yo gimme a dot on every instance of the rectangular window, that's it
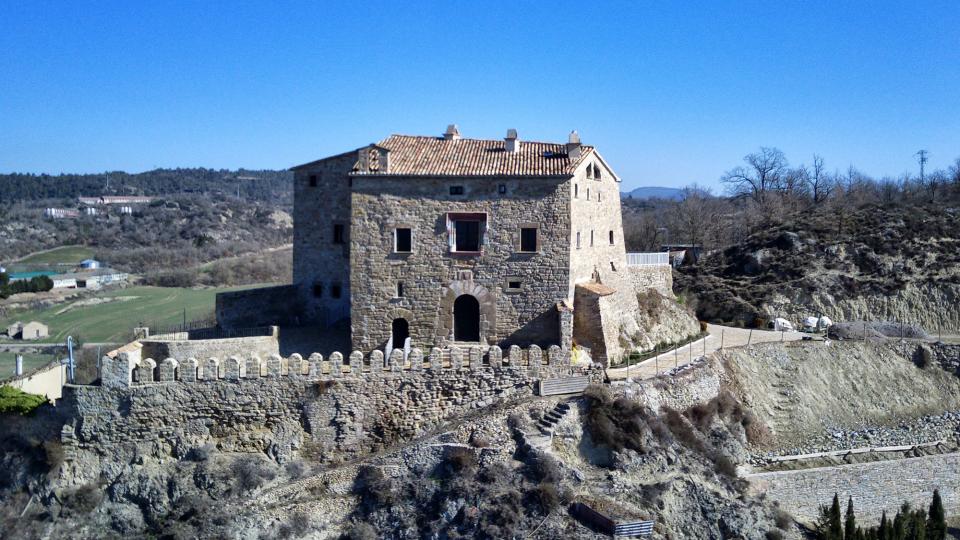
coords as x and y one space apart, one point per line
502 189
576 190
403 241
514 285
528 239
468 235
313 180
591 238
466 231
335 290
318 290
399 289
456 190
588 194
338 237
611 238
578 239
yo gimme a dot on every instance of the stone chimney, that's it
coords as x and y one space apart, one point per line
573 145
452 133
511 143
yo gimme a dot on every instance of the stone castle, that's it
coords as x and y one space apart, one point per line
454 241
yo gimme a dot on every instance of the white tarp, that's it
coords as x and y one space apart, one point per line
782 325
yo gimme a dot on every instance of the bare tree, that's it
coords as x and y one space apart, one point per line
765 173
818 180
695 218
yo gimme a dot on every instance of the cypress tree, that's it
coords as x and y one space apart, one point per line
850 527
883 533
936 521
836 519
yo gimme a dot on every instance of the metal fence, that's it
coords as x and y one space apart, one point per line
648 259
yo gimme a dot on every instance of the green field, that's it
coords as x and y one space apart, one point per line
120 310
8 362
60 255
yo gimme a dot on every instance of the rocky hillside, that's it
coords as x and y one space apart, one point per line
496 474
895 261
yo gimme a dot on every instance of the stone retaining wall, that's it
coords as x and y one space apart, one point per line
652 277
163 347
875 487
338 408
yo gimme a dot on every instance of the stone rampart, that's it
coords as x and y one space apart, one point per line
338 406
875 487
181 346
659 277
262 306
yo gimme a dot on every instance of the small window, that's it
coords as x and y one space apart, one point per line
596 173
313 180
588 194
318 290
502 189
598 196
613 266
590 172
611 238
400 289
578 239
528 239
591 238
456 190
335 290
514 285
402 240
338 234
466 231
576 191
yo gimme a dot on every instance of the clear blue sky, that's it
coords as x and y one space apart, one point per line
671 93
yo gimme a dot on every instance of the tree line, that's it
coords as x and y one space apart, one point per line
34 284
767 190
908 524
263 185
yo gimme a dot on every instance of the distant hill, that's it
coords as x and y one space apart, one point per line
650 192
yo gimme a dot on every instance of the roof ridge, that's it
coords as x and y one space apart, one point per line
440 138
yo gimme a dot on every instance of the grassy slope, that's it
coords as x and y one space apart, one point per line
65 255
8 362
113 322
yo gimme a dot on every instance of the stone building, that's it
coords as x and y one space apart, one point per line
447 240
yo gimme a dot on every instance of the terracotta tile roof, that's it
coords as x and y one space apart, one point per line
428 156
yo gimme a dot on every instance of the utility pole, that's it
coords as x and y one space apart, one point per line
922 159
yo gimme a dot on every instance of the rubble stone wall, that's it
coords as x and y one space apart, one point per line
338 406
263 306
875 487
261 346
659 277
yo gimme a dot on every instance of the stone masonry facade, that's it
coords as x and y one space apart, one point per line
376 242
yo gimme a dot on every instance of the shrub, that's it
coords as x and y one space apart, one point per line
373 487
250 473
83 499
296 469
681 429
54 453
782 519
545 496
725 466
14 400
362 531
544 468
461 461
201 453
774 535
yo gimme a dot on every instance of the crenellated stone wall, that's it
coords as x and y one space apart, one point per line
338 406
180 346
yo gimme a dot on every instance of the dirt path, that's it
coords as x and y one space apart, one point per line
717 337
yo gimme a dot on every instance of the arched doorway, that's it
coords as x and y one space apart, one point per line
466 318
400 330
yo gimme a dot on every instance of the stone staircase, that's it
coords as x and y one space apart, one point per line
553 417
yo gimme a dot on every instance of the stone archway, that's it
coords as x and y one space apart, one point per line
488 311
399 331
466 318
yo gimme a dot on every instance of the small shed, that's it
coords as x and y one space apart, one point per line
34 330
89 264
